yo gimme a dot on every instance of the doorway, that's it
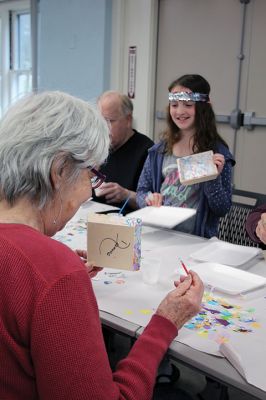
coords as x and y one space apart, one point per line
224 42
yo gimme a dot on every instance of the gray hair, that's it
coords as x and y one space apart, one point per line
42 128
125 102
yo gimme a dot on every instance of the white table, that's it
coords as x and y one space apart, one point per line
218 368
212 366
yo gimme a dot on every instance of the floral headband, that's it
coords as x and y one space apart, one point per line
185 96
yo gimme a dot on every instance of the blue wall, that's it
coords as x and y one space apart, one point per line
74 46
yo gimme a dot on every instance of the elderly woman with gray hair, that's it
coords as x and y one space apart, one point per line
51 341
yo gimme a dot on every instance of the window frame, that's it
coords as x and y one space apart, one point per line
9 76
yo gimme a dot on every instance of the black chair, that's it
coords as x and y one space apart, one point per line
232 225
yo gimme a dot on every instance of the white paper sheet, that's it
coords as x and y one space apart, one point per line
248 357
220 318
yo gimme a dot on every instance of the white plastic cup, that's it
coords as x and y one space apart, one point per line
150 269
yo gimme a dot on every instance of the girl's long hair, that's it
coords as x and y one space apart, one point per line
206 134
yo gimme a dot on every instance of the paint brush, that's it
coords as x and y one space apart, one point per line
124 205
183 266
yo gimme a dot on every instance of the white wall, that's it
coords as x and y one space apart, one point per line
135 24
83 49
74 46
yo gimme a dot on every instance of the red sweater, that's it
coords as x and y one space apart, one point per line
51 344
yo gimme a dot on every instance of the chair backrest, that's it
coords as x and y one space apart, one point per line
232 225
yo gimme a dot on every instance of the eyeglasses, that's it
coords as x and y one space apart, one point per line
98 179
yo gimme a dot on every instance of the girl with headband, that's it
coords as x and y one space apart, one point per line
191 129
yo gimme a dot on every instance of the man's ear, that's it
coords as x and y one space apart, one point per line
129 120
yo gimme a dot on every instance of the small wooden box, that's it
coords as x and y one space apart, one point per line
114 241
197 168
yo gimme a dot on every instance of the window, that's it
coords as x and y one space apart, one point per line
15 54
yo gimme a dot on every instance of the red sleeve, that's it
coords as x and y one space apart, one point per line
69 354
252 222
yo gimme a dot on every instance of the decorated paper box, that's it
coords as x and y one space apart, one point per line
114 241
197 168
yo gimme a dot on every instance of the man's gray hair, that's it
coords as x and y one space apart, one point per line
125 102
40 129
126 105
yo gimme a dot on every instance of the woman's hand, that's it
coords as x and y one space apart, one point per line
154 199
91 268
261 228
184 302
219 161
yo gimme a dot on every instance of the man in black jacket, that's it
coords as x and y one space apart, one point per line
128 152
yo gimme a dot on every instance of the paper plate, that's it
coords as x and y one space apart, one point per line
225 253
164 216
228 279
